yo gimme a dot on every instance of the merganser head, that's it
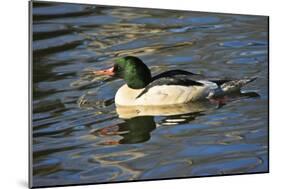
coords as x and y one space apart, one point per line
135 73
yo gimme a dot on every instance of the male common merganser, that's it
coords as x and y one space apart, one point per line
168 88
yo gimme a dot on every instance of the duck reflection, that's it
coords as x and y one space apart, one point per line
139 121
128 112
132 131
137 129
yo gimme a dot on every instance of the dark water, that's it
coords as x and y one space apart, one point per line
78 136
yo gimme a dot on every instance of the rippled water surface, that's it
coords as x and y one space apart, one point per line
78 135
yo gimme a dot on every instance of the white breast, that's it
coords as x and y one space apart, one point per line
163 94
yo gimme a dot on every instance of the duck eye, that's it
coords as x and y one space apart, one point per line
116 67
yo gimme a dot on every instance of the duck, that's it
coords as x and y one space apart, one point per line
172 87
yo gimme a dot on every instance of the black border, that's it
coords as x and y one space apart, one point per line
30 95
30 98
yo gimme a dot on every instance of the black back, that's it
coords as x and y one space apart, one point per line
172 77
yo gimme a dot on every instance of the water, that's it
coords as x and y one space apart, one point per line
80 137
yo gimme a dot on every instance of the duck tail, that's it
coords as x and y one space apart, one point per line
235 85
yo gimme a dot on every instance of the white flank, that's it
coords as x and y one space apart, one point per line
164 94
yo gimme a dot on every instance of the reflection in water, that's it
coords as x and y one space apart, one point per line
134 130
139 120
135 111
